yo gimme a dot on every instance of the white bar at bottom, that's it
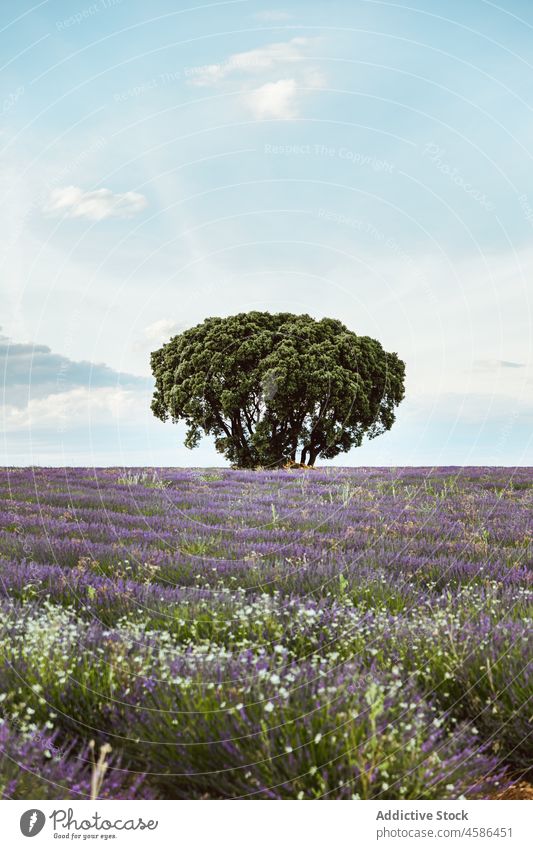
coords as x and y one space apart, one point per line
269 825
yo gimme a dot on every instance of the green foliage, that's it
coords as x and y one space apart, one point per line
269 386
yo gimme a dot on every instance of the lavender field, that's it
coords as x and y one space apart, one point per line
329 633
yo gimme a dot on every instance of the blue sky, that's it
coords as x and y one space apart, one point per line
165 162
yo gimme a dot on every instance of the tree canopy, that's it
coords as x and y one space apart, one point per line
269 387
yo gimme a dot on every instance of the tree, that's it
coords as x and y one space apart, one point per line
268 387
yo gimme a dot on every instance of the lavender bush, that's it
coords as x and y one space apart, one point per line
325 633
33 767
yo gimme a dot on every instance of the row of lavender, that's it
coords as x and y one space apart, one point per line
306 634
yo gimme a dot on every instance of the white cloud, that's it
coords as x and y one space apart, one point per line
77 407
255 61
274 100
273 16
34 371
73 202
160 331
263 97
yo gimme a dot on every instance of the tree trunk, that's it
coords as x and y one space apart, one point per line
237 434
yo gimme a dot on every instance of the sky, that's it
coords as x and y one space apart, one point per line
165 162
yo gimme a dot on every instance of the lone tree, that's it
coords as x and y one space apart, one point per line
270 386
